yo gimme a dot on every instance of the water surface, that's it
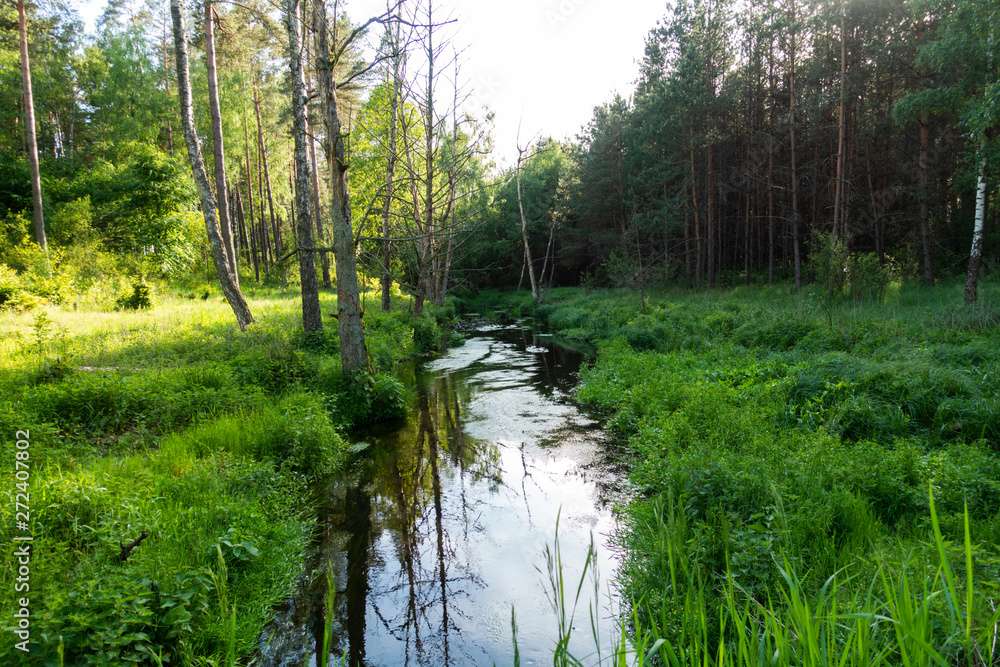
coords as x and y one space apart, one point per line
443 526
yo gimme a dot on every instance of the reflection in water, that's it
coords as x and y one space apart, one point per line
443 528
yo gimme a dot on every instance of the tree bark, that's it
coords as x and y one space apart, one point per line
925 222
230 288
408 150
37 212
978 233
390 175
770 162
839 226
312 320
353 353
535 294
796 250
710 214
266 251
218 144
250 222
275 228
314 191
241 223
430 278
695 207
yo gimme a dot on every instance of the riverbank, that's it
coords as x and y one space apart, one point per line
171 458
785 450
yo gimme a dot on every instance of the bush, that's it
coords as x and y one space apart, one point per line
867 278
827 264
651 332
427 335
388 402
137 300
10 288
365 400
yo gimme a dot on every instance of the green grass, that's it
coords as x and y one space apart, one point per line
782 452
172 422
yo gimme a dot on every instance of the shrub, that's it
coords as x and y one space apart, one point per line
365 400
388 399
649 332
827 264
427 335
137 300
867 277
10 287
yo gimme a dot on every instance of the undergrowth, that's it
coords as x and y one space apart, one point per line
782 450
169 423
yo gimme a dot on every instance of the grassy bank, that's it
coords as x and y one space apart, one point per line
818 483
173 425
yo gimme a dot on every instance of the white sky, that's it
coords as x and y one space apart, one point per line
543 64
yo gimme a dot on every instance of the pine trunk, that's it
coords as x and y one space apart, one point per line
218 145
796 249
38 214
312 320
230 288
925 222
353 353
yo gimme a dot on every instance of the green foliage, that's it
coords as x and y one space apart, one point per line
172 422
776 457
10 288
427 335
138 300
828 264
364 399
297 432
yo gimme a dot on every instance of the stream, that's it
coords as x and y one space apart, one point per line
442 525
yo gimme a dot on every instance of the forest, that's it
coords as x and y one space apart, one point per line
307 361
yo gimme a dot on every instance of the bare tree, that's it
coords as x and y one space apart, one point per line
38 214
535 293
230 288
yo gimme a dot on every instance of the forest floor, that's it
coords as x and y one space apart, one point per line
785 452
171 428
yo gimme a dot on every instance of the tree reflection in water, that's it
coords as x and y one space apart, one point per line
446 519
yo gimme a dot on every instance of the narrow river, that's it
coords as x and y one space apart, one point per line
443 525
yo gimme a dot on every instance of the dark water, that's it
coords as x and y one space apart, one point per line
444 525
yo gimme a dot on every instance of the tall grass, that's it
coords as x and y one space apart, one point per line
895 618
173 422
782 450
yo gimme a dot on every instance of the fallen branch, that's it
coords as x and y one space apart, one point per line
126 549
